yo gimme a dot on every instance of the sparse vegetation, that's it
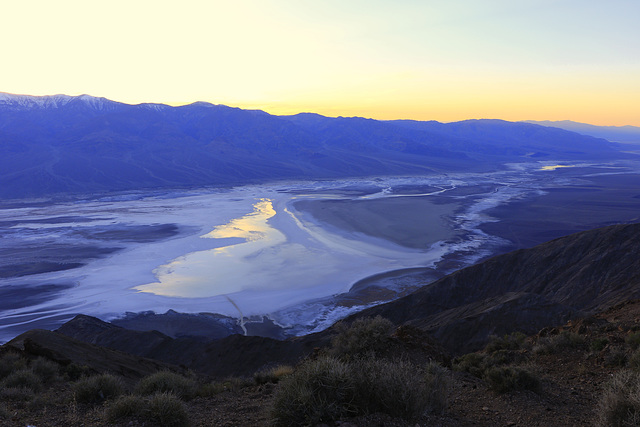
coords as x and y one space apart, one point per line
513 341
598 344
161 409
167 382
616 357
9 363
46 370
24 378
363 336
16 394
125 407
633 340
328 389
620 402
318 391
557 343
167 410
272 375
98 388
4 412
503 379
634 361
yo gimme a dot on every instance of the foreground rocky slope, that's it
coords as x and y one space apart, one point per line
572 366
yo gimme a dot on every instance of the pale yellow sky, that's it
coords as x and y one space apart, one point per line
442 60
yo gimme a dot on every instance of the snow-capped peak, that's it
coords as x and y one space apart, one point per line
52 101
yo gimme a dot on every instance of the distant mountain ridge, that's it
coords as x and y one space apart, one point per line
610 133
82 144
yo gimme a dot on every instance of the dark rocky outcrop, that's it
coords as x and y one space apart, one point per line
66 350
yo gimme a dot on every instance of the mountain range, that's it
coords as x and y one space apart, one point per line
82 144
625 134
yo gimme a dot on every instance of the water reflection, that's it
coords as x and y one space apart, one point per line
217 271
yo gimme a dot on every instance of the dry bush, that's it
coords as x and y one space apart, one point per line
10 362
161 409
98 388
167 382
272 375
399 388
125 407
16 394
616 357
319 391
633 340
620 402
363 336
23 378
558 343
474 363
328 389
513 341
167 410
503 379
4 412
46 370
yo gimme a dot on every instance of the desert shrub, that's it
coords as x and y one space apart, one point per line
327 389
396 388
272 375
165 381
633 340
363 336
24 378
598 344
558 343
234 384
45 369
320 390
161 409
74 372
98 388
513 341
474 363
210 389
634 360
4 412
125 407
16 394
503 379
10 362
620 402
616 357
438 381
166 410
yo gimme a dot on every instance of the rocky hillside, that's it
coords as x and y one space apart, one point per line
525 290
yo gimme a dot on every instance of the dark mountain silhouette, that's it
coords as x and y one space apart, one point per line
525 291
63 144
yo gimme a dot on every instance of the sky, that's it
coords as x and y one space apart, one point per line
444 60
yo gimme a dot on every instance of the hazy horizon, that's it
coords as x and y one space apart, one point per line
438 61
